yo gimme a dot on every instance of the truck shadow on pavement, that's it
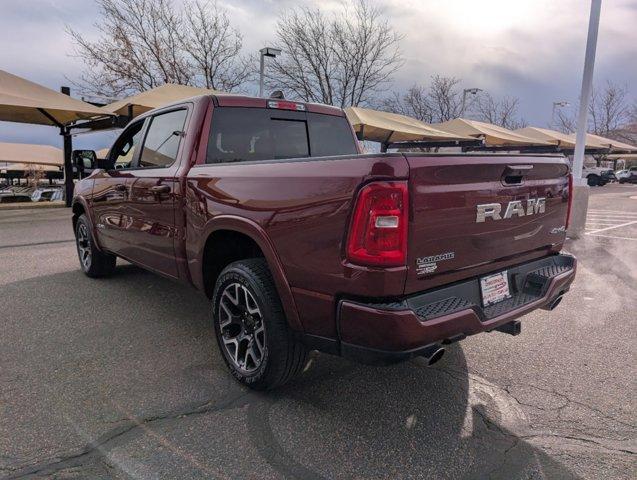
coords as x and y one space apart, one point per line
126 381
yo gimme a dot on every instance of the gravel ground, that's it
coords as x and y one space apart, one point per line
121 378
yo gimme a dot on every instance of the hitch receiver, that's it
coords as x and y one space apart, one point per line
512 328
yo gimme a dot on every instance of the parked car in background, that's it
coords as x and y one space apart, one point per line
598 176
628 176
609 175
15 194
621 174
47 195
303 243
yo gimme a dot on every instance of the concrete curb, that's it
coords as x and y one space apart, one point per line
31 205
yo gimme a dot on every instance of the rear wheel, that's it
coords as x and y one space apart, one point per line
94 262
251 328
592 180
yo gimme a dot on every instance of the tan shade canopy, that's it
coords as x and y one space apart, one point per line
388 127
613 145
568 140
493 135
9 167
553 137
24 101
154 98
33 154
102 153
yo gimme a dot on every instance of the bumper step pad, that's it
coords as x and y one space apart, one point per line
443 307
528 283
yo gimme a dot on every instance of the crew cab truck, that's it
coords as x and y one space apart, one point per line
303 243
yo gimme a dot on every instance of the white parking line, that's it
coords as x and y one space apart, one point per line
614 226
598 220
608 221
613 214
610 236
612 219
610 211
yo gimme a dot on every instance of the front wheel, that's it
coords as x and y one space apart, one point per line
94 262
251 329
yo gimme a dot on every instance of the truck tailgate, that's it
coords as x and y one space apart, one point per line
472 214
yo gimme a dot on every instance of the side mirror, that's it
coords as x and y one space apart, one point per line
84 160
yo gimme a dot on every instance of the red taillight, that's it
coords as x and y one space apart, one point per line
570 199
378 233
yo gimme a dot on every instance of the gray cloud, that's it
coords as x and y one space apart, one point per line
532 49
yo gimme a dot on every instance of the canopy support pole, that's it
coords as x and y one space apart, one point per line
385 145
68 163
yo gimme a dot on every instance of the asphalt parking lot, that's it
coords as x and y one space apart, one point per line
121 378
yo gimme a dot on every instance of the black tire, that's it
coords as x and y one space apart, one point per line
99 264
622 181
592 180
282 356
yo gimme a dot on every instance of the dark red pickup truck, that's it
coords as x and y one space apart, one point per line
301 242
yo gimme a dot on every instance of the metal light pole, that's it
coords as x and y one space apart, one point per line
580 188
265 52
561 103
472 91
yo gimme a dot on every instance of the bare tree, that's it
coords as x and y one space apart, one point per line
609 111
146 43
563 122
214 47
445 98
440 102
413 103
341 60
503 112
33 175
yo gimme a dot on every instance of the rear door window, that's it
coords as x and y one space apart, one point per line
252 134
241 134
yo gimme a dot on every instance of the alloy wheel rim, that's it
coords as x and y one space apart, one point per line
242 328
84 246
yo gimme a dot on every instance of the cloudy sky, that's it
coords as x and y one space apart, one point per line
532 49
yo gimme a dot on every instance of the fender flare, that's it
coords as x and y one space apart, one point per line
82 201
254 231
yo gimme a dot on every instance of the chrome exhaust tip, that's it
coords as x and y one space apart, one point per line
555 302
433 354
